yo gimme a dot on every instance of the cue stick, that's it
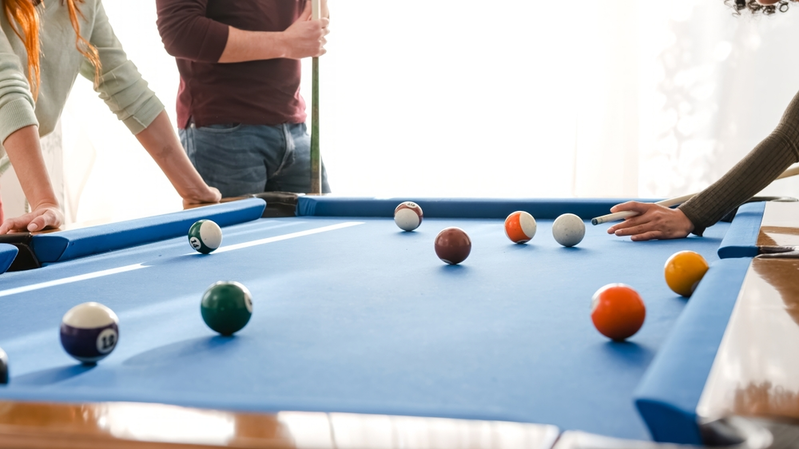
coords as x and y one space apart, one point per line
316 156
793 171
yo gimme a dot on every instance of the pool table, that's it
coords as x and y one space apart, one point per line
352 316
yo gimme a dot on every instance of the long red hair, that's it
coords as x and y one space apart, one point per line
26 16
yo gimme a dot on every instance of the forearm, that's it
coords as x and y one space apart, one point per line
161 142
25 153
751 175
252 46
302 39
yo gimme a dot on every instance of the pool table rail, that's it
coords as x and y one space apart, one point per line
755 371
140 425
495 208
29 425
761 225
60 246
668 394
732 352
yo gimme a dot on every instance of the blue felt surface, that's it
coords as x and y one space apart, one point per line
670 391
72 244
741 239
332 206
361 319
7 255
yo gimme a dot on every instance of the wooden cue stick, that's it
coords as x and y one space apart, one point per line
793 171
316 155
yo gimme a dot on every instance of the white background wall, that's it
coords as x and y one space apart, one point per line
510 99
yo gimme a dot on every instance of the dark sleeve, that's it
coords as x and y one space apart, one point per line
187 33
752 174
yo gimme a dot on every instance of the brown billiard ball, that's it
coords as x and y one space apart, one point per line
453 245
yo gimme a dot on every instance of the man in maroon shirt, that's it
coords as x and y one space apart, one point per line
241 118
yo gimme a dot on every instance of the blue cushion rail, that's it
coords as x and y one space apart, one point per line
332 206
669 392
7 254
741 238
72 244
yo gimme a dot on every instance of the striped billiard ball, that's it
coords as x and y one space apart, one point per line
408 215
226 307
520 227
89 332
205 236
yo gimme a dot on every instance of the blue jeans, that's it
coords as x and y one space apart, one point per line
242 159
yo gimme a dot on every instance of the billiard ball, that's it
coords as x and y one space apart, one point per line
453 245
683 272
408 216
205 236
3 367
226 307
617 311
89 332
520 227
568 229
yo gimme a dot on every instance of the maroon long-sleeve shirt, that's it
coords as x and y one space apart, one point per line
256 92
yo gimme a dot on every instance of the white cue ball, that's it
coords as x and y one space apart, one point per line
408 216
568 229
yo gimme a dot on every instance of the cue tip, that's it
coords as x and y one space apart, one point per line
612 217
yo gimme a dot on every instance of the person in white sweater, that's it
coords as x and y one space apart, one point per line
45 45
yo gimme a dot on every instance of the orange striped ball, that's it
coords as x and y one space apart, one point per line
520 227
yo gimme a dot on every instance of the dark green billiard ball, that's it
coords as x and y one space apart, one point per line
226 307
205 236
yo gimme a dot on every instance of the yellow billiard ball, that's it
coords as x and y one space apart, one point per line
683 272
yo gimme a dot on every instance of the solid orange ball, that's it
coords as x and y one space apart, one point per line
618 311
683 272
